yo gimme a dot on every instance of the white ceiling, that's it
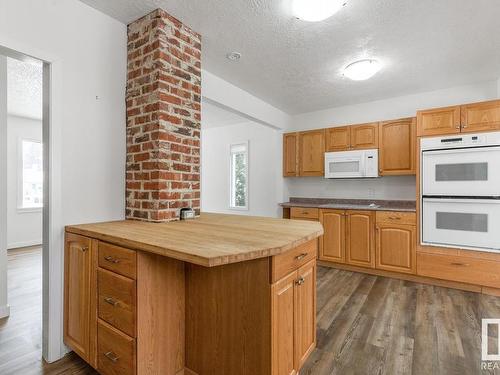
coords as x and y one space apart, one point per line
214 116
296 66
24 88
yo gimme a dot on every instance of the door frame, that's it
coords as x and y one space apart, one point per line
53 347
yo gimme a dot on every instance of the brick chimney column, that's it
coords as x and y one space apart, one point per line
163 118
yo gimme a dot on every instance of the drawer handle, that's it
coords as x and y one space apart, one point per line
300 281
394 218
112 356
301 256
305 213
460 264
111 259
111 301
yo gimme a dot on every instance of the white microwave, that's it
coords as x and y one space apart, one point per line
351 164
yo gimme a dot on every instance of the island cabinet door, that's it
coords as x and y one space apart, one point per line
332 243
77 294
283 361
305 313
360 243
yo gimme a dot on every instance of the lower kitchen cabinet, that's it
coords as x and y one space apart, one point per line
360 241
293 319
332 243
396 247
78 333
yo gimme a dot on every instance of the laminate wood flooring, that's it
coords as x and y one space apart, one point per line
366 325
21 333
377 325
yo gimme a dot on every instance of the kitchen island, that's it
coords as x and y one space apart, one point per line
220 294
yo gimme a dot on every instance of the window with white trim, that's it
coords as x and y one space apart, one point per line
239 176
30 194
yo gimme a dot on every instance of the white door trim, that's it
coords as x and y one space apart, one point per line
53 347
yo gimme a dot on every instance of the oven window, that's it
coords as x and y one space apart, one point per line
462 221
462 172
344 167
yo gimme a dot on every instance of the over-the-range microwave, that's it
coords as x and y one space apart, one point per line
351 164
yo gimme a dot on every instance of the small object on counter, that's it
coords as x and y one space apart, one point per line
187 214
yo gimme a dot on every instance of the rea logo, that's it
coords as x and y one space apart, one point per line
490 350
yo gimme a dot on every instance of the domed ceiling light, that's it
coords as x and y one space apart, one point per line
362 69
316 10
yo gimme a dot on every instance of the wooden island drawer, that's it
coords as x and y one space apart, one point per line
304 213
116 353
396 217
118 259
459 268
117 301
283 264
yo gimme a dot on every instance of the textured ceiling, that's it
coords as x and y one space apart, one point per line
296 66
213 116
24 88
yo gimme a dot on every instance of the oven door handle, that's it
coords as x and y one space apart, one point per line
461 200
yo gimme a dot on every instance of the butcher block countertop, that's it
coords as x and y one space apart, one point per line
210 240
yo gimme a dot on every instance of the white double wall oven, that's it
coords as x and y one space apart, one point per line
460 191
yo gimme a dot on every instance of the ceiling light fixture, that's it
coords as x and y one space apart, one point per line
316 10
233 56
362 69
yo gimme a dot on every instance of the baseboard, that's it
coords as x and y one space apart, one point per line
17 245
4 311
409 277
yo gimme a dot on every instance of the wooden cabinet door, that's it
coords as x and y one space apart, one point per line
397 147
338 139
305 313
312 153
396 248
283 326
77 294
360 242
364 136
332 243
290 155
438 121
481 116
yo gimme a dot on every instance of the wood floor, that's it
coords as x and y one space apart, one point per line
376 325
366 325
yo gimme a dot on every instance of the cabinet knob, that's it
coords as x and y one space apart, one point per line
464 126
85 248
112 356
111 259
300 281
301 256
111 301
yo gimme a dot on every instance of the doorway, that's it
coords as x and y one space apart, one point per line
24 209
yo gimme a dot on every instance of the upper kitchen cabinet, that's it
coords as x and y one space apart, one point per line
338 139
397 147
480 116
467 118
355 137
311 153
438 121
290 155
364 136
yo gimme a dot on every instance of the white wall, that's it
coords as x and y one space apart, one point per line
87 51
24 228
4 309
264 168
405 106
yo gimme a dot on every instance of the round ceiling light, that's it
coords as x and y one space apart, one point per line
362 69
316 10
233 56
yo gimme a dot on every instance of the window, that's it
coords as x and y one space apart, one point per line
31 175
239 176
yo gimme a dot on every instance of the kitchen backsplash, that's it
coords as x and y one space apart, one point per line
394 187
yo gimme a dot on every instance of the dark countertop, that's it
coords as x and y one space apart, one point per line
352 204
